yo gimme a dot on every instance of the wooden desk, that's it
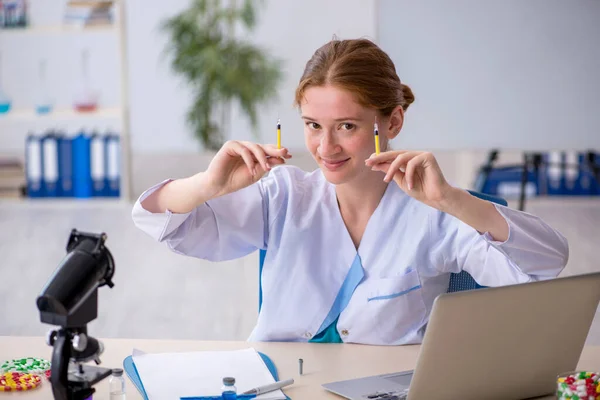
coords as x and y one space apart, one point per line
322 362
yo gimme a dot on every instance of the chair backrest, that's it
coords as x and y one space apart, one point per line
489 197
458 282
463 280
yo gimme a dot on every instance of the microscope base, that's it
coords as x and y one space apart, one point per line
80 384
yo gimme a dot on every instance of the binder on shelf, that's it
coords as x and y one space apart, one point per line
65 166
571 172
87 165
588 182
82 180
50 165
98 165
113 165
555 173
560 173
33 165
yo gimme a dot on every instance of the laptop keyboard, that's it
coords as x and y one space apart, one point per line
396 395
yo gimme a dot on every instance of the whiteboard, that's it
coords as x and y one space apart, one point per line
510 74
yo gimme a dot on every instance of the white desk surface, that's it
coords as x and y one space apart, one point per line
322 362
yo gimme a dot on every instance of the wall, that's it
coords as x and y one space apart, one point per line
159 99
511 73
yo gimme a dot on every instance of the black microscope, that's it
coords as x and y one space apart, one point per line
70 300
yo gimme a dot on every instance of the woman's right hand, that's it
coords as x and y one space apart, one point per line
235 166
239 164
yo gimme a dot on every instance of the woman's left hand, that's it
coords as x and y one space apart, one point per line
417 173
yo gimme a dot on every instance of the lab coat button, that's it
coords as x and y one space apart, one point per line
345 332
308 335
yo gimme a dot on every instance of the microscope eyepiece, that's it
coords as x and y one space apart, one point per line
87 266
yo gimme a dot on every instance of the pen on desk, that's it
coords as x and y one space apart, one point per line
219 397
269 388
376 134
278 133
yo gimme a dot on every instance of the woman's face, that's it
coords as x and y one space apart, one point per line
339 133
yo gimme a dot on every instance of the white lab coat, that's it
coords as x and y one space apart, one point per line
313 273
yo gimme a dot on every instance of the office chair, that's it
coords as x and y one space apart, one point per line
458 282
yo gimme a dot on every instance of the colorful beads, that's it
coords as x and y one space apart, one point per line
18 381
28 365
578 386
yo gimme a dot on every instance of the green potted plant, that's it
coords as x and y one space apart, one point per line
219 66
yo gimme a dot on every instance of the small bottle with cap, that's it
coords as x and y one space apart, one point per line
229 391
117 385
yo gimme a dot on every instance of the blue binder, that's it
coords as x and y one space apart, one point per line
33 165
50 164
131 370
573 176
560 173
593 171
82 179
113 165
506 182
587 185
65 166
555 173
98 165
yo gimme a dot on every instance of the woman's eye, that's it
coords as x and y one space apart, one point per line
348 126
313 125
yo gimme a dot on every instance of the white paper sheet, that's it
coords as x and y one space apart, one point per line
173 375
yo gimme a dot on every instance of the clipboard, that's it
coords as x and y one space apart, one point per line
132 373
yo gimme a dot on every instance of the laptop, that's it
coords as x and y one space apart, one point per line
506 342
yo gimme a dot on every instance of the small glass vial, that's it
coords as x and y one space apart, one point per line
117 385
86 99
5 101
44 103
229 391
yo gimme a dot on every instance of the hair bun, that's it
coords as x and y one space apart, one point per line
407 95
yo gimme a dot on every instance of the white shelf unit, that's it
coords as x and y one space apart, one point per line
24 114
18 123
61 45
58 29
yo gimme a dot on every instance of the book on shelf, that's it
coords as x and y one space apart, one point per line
12 177
89 13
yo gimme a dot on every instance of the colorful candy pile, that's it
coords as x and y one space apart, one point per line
28 365
579 386
23 373
18 381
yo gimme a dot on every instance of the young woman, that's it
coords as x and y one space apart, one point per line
357 250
